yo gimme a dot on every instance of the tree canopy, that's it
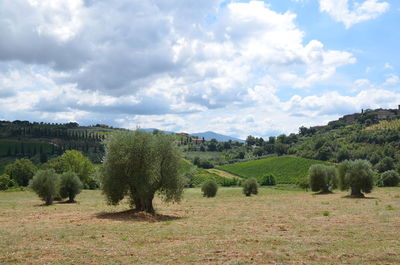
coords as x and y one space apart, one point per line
139 164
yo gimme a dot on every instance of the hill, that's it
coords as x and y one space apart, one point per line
219 137
287 169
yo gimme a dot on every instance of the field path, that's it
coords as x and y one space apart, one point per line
222 173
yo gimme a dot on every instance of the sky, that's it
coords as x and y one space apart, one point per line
234 67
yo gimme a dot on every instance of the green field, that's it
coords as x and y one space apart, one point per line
274 227
287 169
200 175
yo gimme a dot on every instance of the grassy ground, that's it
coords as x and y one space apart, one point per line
275 227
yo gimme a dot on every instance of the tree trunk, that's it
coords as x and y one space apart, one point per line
71 198
356 193
145 203
49 200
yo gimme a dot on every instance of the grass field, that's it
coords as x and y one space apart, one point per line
275 227
287 169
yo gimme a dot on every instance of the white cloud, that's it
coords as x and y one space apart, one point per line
339 10
392 80
165 64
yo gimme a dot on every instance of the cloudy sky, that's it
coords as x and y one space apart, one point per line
234 67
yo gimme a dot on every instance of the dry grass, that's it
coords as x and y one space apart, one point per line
274 227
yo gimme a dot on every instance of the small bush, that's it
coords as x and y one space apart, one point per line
389 178
250 186
325 213
70 186
6 182
209 188
206 164
268 180
304 184
45 185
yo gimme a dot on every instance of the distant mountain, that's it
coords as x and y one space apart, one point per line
152 129
207 135
212 135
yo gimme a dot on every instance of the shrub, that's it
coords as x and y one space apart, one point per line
250 186
6 182
45 184
322 178
70 186
209 188
22 170
206 164
304 184
268 180
357 175
389 178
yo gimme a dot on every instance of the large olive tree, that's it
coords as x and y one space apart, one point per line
139 165
356 175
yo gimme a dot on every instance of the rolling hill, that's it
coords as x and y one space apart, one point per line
287 169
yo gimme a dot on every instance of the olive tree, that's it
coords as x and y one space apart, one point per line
356 175
140 164
45 184
322 178
70 186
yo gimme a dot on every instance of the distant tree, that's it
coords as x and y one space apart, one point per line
77 162
209 188
268 180
356 175
324 153
303 131
389 179
6 182
386 164
22 170
343 155
271 140
45 185
250 186
280 148
139 164
196 161
250 140
70 186
212 146
322 178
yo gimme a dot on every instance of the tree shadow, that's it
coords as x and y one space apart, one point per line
323 193
356 197
135 215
